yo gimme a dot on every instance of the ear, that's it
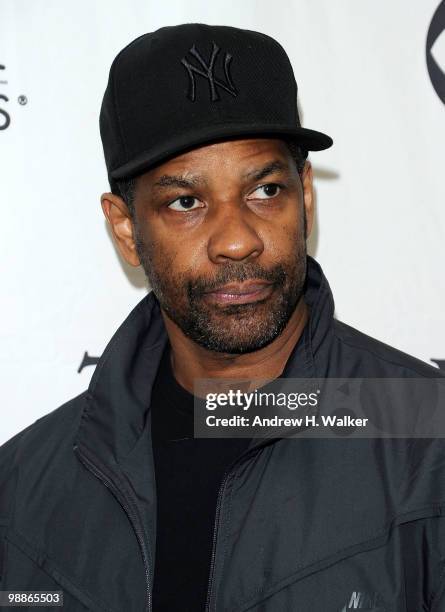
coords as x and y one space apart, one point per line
308 195
119 218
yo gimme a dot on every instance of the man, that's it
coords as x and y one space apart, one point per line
110 498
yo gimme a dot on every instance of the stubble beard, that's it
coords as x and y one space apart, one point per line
233 328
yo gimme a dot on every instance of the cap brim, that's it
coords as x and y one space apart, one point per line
310 140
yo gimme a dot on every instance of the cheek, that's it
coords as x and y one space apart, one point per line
176 256
282 239
186 251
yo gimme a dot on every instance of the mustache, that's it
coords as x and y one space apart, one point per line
237 273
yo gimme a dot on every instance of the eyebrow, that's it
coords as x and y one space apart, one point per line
271 168
257 174
171 180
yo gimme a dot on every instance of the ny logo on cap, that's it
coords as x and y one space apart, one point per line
207 71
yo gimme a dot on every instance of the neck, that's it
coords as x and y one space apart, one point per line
191 361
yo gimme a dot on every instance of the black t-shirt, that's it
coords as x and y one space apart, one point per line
188 474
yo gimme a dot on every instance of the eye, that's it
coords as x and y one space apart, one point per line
265 192
185 203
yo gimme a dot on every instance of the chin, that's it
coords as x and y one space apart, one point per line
234 344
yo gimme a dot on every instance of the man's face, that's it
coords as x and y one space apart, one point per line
220 233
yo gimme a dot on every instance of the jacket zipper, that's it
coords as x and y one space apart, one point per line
85 458
222 487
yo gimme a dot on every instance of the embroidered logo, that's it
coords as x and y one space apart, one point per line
360 600
207 71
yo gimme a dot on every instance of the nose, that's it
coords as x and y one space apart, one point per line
233 236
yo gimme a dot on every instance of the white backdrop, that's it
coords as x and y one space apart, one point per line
363 79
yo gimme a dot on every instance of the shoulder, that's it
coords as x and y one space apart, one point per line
375 358
44 437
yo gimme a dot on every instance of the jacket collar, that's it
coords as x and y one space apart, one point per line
118 398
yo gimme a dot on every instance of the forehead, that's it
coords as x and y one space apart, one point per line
235 153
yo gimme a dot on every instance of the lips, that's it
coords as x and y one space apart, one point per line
240 293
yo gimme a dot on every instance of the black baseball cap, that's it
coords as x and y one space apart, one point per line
191 84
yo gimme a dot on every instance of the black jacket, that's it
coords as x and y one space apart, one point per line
302 525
